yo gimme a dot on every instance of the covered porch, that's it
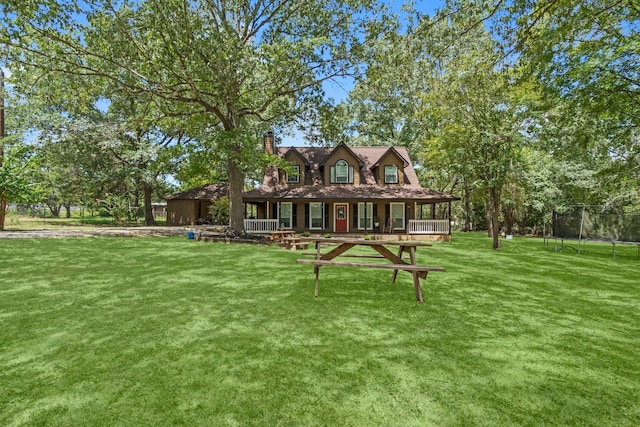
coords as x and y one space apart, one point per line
349 210
414 226
393 219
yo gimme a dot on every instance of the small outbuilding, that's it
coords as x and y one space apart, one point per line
192 207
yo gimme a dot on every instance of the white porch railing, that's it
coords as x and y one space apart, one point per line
428 226
260 225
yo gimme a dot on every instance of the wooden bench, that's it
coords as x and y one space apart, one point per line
347 255
417 271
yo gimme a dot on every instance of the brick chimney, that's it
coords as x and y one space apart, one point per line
269 143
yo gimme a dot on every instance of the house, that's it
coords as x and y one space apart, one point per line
346 190
192 207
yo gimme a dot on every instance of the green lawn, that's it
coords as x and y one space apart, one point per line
170 331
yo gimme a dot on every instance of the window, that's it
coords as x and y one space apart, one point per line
316 216
285 214
397 215
391 174
365 216
341 173
294 175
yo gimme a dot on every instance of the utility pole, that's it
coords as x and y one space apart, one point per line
1 117
3 201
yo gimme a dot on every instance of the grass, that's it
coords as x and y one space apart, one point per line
15 222
168 331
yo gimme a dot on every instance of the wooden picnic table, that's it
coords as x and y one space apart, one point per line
287 239
280 235
383 250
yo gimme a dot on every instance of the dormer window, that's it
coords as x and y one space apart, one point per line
341 173
391 174
293 177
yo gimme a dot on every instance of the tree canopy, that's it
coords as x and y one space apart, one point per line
223 66
517 106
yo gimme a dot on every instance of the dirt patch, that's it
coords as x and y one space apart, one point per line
94 232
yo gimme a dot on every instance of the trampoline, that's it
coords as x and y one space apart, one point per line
581 223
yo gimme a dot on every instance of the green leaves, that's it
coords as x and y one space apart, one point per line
224 66
17 169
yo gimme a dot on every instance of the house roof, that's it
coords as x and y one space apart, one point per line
369 158
315 189
205 192
295 151
347 193
338 147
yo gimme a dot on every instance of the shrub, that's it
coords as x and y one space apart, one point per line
219 211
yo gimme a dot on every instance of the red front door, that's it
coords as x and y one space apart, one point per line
341 215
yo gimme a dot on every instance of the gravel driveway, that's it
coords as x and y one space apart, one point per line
97 232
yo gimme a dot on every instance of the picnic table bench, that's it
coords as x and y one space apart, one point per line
381 247
287 239
294 243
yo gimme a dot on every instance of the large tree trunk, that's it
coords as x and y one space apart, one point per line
67 208
148 206
236 186
494 204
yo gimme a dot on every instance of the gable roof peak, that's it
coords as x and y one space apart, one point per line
345 146
393 149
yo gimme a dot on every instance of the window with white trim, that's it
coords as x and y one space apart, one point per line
293 177
341 173
365 216
316 216
391 174
285 214
397 215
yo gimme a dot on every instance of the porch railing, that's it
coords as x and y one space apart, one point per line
428 226
260 225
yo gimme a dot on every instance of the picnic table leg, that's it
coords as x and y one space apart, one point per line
412 259
316 269
416 285
395 272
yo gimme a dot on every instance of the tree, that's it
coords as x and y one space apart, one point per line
585 52
75 162
16 160
222 66
84 158
16 171
475 118
144 145
382 108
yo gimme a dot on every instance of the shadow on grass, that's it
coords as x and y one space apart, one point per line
168 331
